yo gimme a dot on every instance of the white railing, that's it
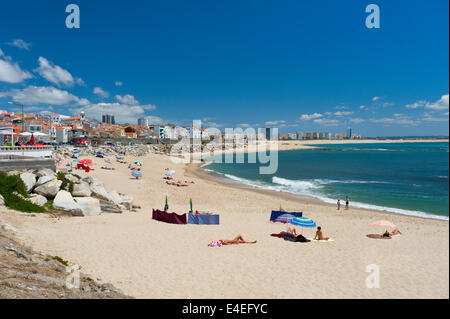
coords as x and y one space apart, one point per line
26 148
33 151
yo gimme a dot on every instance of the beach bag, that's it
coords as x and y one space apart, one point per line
300 238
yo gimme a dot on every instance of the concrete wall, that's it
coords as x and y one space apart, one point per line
26 163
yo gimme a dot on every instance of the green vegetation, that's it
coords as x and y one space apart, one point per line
15 193
66 184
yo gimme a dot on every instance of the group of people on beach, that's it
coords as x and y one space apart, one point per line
347 203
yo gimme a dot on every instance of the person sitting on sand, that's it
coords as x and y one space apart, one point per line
319 235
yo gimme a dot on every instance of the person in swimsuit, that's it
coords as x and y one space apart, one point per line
346 202
237 240
388 234
319 235
338 204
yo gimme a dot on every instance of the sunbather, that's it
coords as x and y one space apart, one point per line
236 240
319 235
393 233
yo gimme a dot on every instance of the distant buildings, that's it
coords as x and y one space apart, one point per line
349 132
143 121
108 119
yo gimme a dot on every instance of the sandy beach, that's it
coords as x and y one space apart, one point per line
150 259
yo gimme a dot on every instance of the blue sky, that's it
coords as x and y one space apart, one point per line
297 65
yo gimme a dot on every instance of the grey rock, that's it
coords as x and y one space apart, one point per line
89 206
29 179
107 208
64 201
81 190
45 179
72 178
45 172
50 189
38 199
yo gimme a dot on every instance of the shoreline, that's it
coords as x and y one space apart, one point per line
213 176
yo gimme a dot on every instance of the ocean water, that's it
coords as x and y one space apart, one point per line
405 178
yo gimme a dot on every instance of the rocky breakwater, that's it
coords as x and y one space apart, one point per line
71 193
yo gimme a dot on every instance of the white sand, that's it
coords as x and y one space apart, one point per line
150 259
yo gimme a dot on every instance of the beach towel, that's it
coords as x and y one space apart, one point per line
324 241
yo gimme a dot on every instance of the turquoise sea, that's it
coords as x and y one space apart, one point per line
406 178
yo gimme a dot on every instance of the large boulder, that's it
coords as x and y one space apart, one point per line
45 179
81 190
29 179
89 206
2 200
107 208
11 173
50 189
64 201
126 201
38 199
72 178
114 197
100 192
45 172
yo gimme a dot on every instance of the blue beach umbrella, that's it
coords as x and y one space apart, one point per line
76 160
136 174
303 222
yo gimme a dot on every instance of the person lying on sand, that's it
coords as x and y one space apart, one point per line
319 235
393 233
237 240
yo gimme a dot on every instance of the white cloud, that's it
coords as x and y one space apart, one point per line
244 125
376 98
55 74
363 107
149 107
21 44
271 123
395 120
43 95
439 105
341 107
118 83
343 113
417 104
11 72
307 117
99 91
357 120
327 122
127 99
